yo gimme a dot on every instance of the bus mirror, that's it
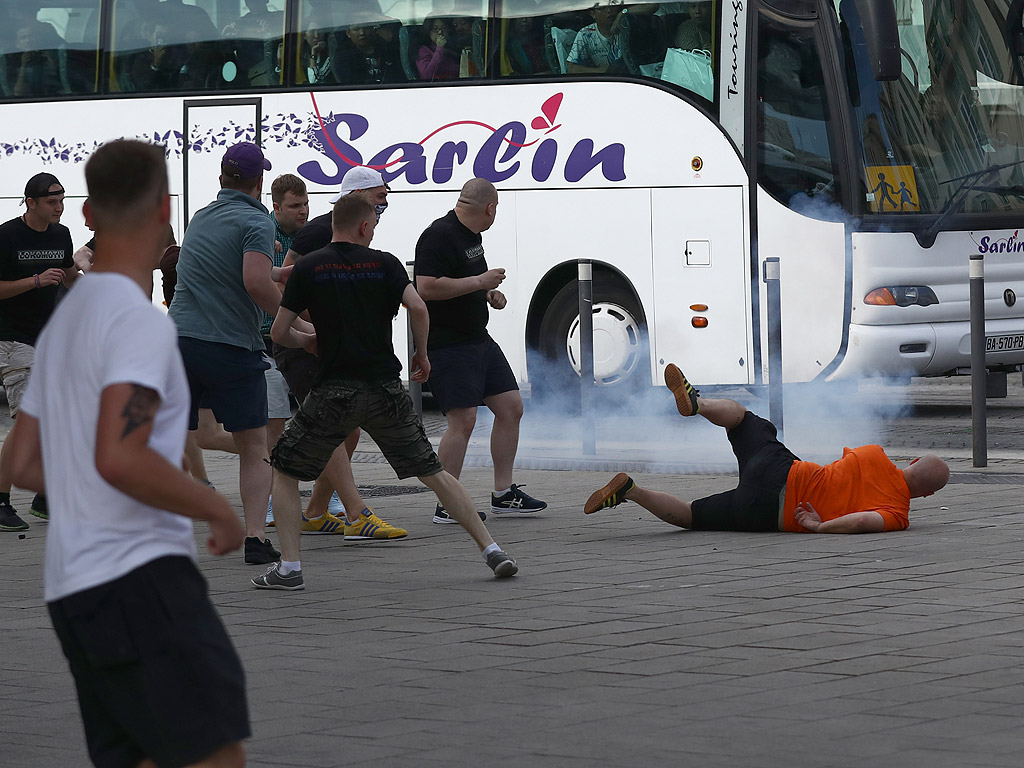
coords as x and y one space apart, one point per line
882 36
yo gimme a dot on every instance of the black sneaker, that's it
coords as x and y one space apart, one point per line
441 517
515 501
39 507
502 565
9 520
259 552
611 495
274 579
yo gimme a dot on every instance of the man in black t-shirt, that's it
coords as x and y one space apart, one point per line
35 258
352 294
300 368
469 367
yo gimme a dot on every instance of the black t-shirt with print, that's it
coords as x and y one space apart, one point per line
352 294
448 249
314 235
24 253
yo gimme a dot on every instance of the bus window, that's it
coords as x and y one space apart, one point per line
794 156
175 45
50 51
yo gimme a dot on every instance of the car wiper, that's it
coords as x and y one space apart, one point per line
968 182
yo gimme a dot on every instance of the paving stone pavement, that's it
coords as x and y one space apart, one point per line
623 642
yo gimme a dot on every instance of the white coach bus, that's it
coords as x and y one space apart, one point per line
871 146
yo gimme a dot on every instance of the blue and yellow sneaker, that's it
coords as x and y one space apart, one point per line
371 527
326 523
611 495
686 395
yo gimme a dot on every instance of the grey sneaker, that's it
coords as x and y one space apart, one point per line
502 565
39 508
9 520
274 579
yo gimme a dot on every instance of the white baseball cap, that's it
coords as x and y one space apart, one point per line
360 177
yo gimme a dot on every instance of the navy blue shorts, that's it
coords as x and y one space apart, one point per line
227 379
156 673
753 505
461 376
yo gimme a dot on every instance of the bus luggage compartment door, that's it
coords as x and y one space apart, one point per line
211 126
701 285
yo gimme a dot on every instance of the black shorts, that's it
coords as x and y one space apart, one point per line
334 409
227 379
764 466
156 672
299 369
463 375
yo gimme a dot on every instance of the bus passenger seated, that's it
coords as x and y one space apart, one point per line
596 48
316 54
435 60
524 46
363 58
695 32
35 69
158 68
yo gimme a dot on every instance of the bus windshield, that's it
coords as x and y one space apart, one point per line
949 133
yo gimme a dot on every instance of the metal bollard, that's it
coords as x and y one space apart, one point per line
772 274
586 295
979 436
415 388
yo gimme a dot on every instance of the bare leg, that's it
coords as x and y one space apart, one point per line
230 756
722 413
457 502
5 469
287 515
253 478
194 457
274 429
338 474
452 448
211 435
507 408
663 505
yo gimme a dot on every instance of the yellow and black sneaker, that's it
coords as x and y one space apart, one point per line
611 495
686 395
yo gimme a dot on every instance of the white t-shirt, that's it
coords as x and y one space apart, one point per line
105 331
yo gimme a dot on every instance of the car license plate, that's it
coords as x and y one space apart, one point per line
1004 342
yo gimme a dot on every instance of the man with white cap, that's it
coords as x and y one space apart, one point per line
226 275
300 371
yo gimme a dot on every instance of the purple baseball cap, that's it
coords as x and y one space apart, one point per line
245 160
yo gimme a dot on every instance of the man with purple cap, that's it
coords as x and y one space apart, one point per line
226 277
35 259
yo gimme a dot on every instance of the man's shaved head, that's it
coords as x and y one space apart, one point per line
476 193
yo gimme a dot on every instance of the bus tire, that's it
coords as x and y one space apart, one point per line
622 362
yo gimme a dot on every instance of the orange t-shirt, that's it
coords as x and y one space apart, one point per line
864 479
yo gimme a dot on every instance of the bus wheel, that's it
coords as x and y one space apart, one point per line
621 358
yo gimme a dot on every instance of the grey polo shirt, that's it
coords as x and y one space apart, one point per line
210 301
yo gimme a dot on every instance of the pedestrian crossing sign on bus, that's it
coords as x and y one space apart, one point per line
892 189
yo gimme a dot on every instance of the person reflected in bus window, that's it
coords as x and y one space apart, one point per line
35 69
363 58
524 46
694 34
436 60
596 48
316 54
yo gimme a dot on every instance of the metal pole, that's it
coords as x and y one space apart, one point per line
979 436
586 295
415 388
772 274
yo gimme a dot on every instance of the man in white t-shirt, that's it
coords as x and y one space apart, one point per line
103 420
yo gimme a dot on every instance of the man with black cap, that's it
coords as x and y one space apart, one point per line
35 258
225 277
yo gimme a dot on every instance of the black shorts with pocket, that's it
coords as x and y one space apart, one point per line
229 380
764 464
463 375
334 409
157 674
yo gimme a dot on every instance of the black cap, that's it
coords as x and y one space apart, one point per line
39 186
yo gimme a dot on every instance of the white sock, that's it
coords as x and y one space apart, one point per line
492 548
287 566
310 519
502 493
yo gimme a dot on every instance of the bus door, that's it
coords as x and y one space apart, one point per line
213 125
702 306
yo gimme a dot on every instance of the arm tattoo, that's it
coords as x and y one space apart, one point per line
140 408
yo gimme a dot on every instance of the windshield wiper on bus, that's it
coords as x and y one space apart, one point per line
968 182
1017 190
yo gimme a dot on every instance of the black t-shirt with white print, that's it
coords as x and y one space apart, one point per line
448 249
24 252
